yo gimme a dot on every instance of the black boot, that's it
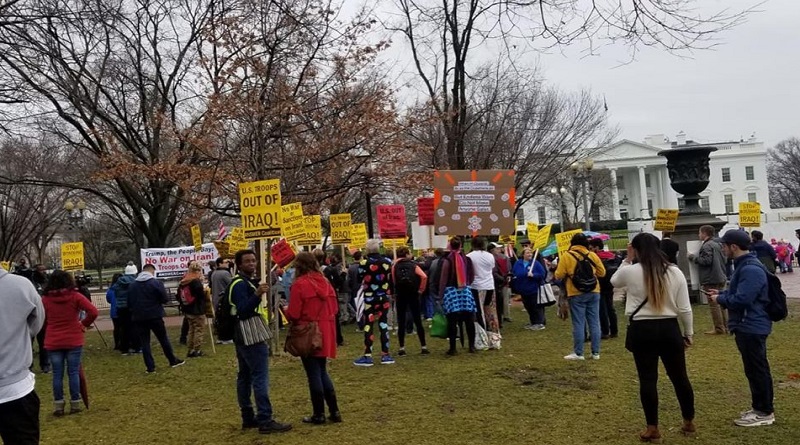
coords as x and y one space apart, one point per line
333 407
318 405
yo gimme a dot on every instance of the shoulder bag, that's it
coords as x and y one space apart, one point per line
304 339
630 333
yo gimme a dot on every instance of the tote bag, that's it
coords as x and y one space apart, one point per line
546 295
251 331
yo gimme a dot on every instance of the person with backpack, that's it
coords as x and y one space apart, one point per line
408 284
455 276
128 338
336 273
112 309
580 270
220 279
192 296
608 314
748 300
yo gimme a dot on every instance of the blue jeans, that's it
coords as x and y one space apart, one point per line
583 308
253 373
72 357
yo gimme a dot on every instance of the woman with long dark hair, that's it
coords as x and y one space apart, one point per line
658 298
312 298
457 300
64 341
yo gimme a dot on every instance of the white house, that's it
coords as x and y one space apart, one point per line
640 182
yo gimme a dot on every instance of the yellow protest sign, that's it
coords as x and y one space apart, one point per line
532 229
508 239
72 256
197 237
223 248
394 243
6 265
312 231
292 226
358 236
237 241
749 214
563 240
260 204
666 220
340 228
542 237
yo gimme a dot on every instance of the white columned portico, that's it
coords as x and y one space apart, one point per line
614 195
643 211
670 196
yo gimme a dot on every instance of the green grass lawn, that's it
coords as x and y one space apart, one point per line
523 394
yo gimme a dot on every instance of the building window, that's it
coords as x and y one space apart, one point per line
520 216
751 197
650 207
623 214
728 203
726 174
681 204
647 180
595 213
620 183
704 203
749 173
542 214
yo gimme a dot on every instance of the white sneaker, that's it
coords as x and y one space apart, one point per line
595 356
755 419
574 356
538 327
528 327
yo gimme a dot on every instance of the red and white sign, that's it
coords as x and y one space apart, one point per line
392 221
425 211
282 253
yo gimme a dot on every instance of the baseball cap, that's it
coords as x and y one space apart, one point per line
737 237
494 245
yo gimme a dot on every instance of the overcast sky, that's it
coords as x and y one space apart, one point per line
749 84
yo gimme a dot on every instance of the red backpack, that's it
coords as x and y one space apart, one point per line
185 295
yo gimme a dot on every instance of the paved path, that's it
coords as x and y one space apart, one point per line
790 282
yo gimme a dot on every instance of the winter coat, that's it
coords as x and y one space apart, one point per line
711 263
566 268
524 285
746 297
314 299
198 306
146 298
63 328
765 253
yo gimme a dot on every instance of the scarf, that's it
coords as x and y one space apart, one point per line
460 266
191 276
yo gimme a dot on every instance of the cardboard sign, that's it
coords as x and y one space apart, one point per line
424 238
474 202
237 241
542 237
340 228
390 244
174 261
358 236
392 222
749 214
312 231
425 211
666 220
6 265
563 240
283 253
197 237
292 226
260 204
72 256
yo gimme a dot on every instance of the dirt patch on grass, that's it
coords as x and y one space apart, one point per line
578 378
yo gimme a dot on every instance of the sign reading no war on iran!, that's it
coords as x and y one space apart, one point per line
174 262
72 256
260 204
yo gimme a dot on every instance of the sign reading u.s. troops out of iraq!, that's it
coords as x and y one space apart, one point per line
474 202
260 204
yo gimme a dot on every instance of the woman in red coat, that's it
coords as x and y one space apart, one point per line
63 305
313 299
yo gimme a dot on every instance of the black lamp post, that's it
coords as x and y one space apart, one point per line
75 213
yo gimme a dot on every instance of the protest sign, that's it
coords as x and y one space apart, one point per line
542 237
340 228
358 236
312 231
563 240
508 239
425 211
283 253
392 221
394 243
6 265
424 238
292 226
72 256
749 214
666 220
237 240
174 261
197 237
532 229
223 248
260 204
474 202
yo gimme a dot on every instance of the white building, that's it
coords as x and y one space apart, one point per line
640 182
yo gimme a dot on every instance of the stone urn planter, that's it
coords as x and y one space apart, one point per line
688 174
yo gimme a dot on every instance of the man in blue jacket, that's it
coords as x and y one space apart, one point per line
746 300
146 299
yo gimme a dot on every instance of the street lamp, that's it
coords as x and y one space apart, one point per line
558 194
75 213
365 156
582 170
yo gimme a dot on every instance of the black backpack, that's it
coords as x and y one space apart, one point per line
776 307
224 321
583 277
405 276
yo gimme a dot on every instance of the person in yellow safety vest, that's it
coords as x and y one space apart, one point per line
245 297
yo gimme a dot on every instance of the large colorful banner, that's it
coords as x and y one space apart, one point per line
340 228
260 204
174 261
425 211
474 202
392 221
312 231
72 256
292 221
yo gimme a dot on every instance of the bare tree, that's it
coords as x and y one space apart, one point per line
783 163
598 192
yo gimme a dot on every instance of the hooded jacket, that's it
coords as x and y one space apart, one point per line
64 329
146 298
312 298
21 318
522 283
566 268
746 297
